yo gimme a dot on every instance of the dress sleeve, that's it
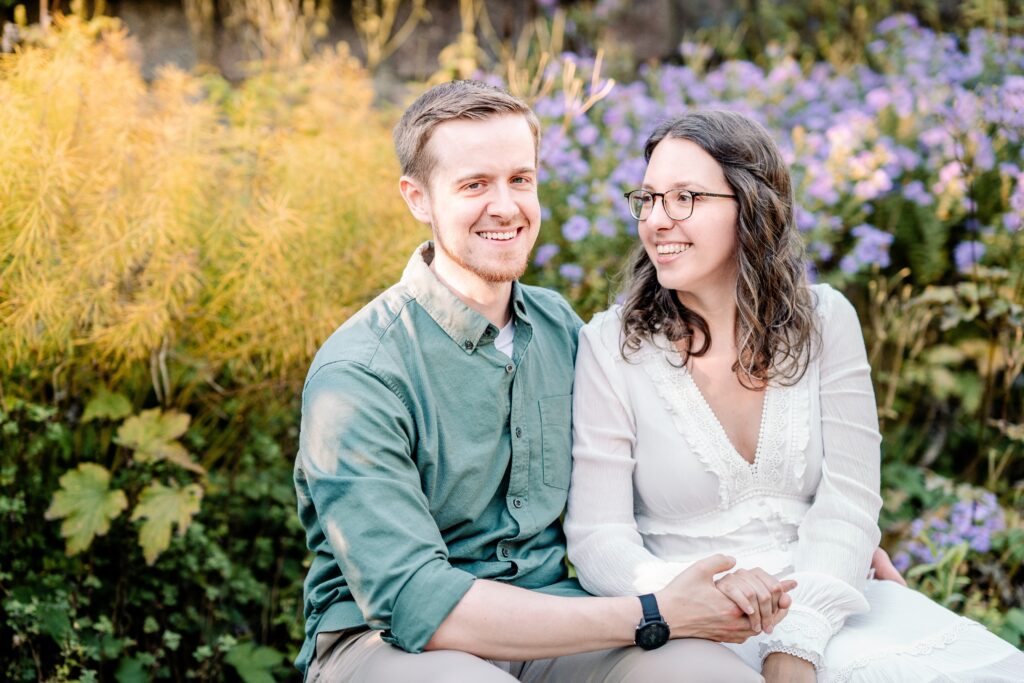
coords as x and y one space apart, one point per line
604 544
840 531
368 506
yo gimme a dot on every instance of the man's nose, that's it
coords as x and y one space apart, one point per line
502 204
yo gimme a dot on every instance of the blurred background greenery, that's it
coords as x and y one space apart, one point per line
176 241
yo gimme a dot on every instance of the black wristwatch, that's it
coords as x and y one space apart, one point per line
653 631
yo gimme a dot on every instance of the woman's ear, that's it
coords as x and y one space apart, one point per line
416 198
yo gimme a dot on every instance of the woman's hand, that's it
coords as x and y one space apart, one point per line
884 568
780 667
762 597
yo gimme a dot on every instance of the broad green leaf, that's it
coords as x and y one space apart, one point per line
86 504
54 621
163 506
153 435
1015 618
107 405
131 670
253 663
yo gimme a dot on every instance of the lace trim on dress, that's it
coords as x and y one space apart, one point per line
815 630
676 391
796 652
776 446
920 648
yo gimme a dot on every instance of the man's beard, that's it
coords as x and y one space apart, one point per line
511 271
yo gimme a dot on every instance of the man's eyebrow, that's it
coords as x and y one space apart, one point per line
478 175
475 175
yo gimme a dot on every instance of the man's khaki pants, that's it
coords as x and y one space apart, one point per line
360 656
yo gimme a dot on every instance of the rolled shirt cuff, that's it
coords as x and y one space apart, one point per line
426 600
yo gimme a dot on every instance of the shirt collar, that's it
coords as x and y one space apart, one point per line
466 327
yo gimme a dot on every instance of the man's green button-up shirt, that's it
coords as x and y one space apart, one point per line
428 458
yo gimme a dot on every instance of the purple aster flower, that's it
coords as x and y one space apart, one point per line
571 272
879 98
916 192
901 561
967 254
576 228
606 226
545 253
848 264
587 134
872 248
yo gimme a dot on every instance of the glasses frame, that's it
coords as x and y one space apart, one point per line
655 195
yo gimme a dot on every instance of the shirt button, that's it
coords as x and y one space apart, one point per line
517 502
504 552
468 345
519 432
509 368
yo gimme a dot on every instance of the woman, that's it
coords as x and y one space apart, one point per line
727 407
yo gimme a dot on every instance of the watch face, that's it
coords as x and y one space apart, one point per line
652 635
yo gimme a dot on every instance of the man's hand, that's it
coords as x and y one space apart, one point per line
694 607
780 667
884 568
760 595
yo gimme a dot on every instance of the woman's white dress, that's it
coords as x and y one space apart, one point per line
657 485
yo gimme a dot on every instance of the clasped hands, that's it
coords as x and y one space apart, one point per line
730 609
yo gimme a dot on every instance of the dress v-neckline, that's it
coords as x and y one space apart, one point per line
722 434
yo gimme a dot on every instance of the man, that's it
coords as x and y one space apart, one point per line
434 453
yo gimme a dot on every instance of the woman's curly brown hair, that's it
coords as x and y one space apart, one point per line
775 323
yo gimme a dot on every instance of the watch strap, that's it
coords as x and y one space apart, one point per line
650 607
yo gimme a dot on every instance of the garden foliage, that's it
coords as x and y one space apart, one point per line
172 254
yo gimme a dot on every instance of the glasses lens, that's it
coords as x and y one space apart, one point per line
640 204
679 204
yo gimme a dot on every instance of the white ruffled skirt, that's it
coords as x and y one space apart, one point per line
907 638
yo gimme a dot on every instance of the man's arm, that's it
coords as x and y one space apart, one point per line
497 621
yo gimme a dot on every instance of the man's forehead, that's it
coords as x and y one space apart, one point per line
495 144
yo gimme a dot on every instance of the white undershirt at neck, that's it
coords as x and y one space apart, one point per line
506 336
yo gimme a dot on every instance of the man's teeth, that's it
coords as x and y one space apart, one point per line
673 248
498 235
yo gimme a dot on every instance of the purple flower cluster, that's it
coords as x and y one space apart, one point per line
872 247
970 521
908 138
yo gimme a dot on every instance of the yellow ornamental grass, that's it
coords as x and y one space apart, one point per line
222 233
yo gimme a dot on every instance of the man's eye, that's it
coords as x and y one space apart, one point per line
520 180
474 186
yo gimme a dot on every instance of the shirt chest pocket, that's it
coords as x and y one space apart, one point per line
556 439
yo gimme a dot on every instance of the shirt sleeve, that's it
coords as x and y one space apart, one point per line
840 531
604 543
355 449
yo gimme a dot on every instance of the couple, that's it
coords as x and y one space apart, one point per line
720 438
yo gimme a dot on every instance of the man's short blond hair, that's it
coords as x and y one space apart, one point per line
455 100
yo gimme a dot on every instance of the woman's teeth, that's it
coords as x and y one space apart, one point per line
672 248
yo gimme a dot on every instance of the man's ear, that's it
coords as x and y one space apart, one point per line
415 195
